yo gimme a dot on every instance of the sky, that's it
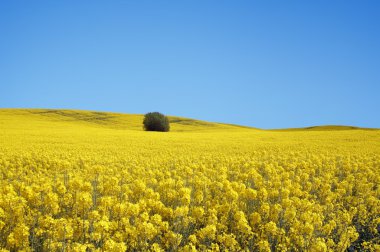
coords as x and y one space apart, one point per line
266 64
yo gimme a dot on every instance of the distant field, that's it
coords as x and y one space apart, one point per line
75 180
326 128
91 119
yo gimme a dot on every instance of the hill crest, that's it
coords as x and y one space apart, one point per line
134 121
112 120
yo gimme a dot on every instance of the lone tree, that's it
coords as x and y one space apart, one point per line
155 121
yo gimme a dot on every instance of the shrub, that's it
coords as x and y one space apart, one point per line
155 121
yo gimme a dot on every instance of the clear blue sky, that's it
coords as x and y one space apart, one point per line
268 64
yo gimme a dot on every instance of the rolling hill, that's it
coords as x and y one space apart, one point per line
19 118
70 118
326 128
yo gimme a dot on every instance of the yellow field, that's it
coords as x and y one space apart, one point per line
77 180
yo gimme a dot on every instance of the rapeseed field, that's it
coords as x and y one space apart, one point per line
91 181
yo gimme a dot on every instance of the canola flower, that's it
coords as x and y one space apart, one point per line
73 185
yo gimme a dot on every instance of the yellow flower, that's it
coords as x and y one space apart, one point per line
271 228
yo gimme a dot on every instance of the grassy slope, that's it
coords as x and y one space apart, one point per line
32 118
72 118
325 128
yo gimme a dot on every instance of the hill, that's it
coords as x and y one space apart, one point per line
18 118
69 118
325 128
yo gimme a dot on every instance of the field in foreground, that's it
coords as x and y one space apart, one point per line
78 180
